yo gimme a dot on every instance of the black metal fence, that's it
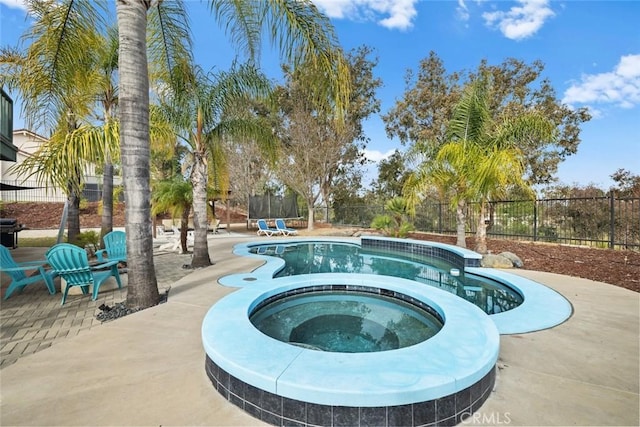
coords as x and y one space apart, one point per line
606 222
31 191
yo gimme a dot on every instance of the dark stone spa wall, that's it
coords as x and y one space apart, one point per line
418 248
282 411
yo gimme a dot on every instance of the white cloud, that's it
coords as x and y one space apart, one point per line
376 156
16 4
620 87
462 11
520 21
399 13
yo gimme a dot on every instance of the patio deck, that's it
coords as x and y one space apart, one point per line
148 368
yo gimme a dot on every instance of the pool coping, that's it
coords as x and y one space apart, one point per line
542 307
418 373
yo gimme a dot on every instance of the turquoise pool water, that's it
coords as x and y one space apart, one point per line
332 257
346 321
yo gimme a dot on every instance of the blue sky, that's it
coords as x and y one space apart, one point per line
591 52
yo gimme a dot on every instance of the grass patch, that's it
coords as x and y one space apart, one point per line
37 242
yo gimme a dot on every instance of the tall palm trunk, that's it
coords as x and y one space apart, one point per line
73 217
461 238
142 290
107 200
481 231
199 182
107 177
184 225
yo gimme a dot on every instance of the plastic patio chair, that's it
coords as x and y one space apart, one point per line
284 230
115 247
19 279
72 264
264 229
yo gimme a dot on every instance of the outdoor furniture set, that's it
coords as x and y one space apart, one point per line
71 263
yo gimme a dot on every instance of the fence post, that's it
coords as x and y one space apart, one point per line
535 220
612 218
440 218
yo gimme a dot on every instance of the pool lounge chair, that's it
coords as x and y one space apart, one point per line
265 230
174 243
283 229
19 279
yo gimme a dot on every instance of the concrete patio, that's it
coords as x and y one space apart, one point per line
148 368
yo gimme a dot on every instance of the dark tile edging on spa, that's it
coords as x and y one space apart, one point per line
351 288
451 254
277 410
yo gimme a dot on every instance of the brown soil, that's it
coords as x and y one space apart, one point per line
48 215
617 267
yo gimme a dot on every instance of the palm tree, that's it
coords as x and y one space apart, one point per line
394 223
206 109
296 27
57 82
176 197
481 160
108 64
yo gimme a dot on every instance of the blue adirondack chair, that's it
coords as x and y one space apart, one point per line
115 247
19 278
72 264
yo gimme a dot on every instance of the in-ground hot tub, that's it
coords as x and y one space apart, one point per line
346 321
438 379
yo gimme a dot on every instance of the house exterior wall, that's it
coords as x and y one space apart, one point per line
28 143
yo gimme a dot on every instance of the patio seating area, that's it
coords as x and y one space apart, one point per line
148 368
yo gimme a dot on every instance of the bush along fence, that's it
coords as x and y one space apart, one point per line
606 222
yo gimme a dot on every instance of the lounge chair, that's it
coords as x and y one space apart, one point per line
174 243
19 279
72 264
264 229
214 226
115 247
284 230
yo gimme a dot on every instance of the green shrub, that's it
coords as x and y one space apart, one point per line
84 203
396 224
88 238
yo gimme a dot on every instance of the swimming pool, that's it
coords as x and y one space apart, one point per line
339 257
439 380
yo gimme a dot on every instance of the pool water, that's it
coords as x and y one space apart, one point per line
331 257
345 321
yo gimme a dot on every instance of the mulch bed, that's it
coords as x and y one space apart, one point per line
616 267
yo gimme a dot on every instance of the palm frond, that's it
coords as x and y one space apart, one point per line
296 27
169 41
60 46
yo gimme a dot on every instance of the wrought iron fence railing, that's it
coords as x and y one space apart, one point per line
32 191
607 222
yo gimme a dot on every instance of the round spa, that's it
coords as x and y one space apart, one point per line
344 349
346 321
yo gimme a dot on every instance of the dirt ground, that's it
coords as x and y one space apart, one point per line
48 215
617 267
